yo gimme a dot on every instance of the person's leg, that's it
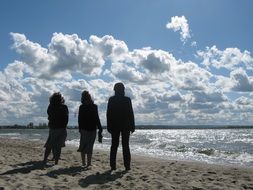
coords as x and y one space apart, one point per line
114 148
46 154
54 153
93 135
126 150
89 156
57 153
83 158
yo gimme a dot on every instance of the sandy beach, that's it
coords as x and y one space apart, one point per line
21 168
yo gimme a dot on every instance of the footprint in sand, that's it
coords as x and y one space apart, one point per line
212 172
129 178
144 178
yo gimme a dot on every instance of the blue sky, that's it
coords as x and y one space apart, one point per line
139 23
216 58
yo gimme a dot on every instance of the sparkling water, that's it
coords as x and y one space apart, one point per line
219 146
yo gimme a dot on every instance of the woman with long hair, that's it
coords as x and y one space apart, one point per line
58 116
88 123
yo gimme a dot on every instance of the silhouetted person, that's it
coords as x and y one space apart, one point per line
58 116
88 122
120 121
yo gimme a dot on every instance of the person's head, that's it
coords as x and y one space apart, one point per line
86 98
119 89
56 99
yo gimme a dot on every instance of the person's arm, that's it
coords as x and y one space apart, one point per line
131 116
98 120
49 117
66 115
100 136
79 118
108 116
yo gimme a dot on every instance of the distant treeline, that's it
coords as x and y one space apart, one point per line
44 126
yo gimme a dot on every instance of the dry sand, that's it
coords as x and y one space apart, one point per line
21 168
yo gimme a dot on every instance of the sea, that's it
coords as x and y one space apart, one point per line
213 146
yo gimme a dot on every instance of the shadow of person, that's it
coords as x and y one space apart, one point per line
26 167
74 170
102 178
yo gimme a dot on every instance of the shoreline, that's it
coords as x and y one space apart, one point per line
235 149
152 157
21 168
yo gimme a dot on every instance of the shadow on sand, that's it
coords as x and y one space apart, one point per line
26 167
100 178
75 170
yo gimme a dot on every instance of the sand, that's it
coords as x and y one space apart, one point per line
21 168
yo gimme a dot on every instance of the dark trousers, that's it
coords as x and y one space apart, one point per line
125 146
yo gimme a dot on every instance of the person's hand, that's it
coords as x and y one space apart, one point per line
100 136
100 131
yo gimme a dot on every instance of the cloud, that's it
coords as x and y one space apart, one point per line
155 61
223 83
127 73
74 54
206 102
189 76
242 82
68 54
194 44
15 69
237 81
230 58
32 54
110 48
244 101
180 24
164 89
173 96
206 97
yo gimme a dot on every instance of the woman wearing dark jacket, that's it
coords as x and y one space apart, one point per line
58 116
88 122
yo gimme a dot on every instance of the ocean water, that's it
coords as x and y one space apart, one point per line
219 146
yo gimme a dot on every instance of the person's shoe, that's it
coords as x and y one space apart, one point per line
127 168
113 168
88 166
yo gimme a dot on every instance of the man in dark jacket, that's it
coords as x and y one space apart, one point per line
120 120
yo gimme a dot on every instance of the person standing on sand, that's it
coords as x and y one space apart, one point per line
58 116
88 122
120 121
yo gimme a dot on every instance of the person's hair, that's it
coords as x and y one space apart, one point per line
86 98
119 89
56 99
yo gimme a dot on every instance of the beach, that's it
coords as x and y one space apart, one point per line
21 168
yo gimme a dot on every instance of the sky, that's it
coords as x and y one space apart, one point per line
182 62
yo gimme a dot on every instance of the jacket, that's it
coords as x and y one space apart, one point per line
120 116
58 116
88 118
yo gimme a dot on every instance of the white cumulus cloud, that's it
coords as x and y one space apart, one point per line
242 82
164 89
178 23
230 58
155 61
